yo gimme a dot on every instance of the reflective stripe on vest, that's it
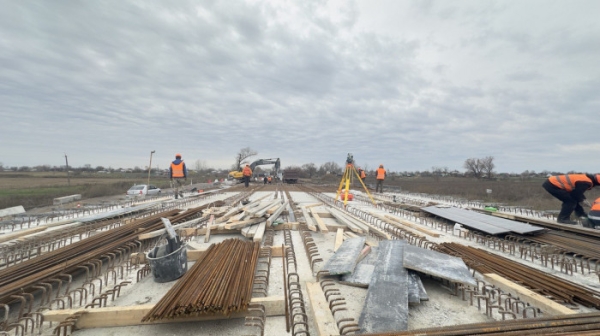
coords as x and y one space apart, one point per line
596 205
567 182
177 170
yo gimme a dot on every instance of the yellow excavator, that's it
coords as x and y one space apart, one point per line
237 174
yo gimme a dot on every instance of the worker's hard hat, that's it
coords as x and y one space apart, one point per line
247 165
380 166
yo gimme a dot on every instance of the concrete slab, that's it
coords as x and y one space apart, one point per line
386 304
12 211
361 277
344 259
437 264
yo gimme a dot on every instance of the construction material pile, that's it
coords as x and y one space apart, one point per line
580 324
549 285
219 282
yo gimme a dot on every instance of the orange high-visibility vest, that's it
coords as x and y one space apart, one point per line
380 173
596 205
177 170
247 171
567 182
362 174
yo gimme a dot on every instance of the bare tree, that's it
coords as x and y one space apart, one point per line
330 168
242 155
487 166
200 166
310 169
473 167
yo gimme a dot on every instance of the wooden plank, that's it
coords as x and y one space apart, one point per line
260 232
546 305
19 234
325 214
413 226
339 239
160 232
323 318
322 227
241 224
208 225
275 214
249 231
345 259
386 304
352 224
132 315
309 223
312 205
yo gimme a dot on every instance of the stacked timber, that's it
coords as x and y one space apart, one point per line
251 219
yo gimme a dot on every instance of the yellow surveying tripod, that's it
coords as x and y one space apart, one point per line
346 181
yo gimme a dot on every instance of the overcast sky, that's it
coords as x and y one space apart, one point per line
410 84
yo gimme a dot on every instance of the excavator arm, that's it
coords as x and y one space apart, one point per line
275 161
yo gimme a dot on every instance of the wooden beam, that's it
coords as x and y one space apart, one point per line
275 214
160 232
239 225
546 305
132 315
339 239
210 222
19 234
413 226
323 318
260 232
309 223
322 227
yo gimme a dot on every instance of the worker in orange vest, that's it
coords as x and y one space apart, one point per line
593 219
178 174
247 172
380 177
570 190
362 174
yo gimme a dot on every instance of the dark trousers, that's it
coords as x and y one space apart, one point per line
569 203
379 186
246 180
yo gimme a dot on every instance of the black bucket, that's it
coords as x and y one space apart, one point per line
170 267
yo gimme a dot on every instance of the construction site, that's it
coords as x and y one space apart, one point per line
295 259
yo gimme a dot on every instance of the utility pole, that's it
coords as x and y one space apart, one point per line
68 176
150 168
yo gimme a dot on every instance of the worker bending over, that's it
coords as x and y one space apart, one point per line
380 177
178 174
593 219
570 190
247 172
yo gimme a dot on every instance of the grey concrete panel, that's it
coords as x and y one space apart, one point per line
344 259
507 224
386 304
413 289
361 277
437 264
474 224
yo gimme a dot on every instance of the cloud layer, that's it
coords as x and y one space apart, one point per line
411 84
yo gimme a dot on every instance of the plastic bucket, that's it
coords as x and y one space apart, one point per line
170 267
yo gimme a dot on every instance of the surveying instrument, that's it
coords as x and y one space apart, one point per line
346 177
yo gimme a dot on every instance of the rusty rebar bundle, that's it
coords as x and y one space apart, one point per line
559 289
579 324
219 282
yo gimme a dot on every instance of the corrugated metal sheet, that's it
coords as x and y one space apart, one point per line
482 222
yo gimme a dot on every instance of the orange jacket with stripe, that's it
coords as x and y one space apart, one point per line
596 205
574 184
362 174
247 171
